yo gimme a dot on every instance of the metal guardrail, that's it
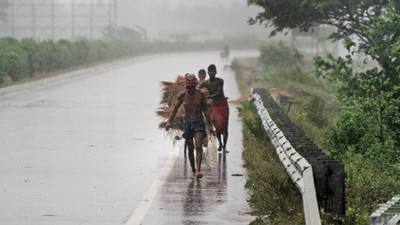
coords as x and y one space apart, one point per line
328 173
388 213
298 168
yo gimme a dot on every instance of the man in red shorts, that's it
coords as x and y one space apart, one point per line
219 108
195 104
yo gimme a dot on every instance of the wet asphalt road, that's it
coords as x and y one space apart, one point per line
87 150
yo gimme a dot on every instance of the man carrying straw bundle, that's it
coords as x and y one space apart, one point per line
195 105
219 108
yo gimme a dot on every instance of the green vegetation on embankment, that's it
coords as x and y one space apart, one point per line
371 165
27 59
273 197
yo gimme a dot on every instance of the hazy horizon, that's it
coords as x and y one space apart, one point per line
159 19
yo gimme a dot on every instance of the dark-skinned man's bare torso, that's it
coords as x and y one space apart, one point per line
215 87
219 107
193 104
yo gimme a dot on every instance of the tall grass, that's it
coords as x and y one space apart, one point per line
273 197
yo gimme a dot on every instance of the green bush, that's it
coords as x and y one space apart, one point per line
30 46
368 183
356 130
14 61
279 77
280 56
3 78
315 111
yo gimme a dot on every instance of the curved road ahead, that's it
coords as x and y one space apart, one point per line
87 150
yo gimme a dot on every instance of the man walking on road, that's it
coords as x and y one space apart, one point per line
219 108
195 104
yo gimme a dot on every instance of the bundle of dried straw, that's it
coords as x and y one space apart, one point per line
170 91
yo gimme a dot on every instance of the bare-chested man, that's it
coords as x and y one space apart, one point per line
219 108
195 104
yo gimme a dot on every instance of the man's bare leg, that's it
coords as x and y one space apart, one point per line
219 141
190 148
199 136
225 141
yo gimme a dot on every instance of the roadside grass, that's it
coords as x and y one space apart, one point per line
271 192
273 197
249 73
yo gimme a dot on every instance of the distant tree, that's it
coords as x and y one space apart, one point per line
348 16
122 33
374 94
180 37
280 55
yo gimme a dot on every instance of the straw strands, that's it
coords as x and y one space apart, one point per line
170 91
169 94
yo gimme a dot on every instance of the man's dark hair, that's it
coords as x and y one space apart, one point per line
212 67
202 70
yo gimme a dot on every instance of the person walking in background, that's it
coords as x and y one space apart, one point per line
226 50
195 105
219 110
202 75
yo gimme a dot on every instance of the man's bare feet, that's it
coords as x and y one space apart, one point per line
192 176
199 175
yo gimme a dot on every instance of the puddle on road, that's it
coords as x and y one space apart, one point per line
182 196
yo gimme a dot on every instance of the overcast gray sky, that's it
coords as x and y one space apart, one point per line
161 19
205 18
172 3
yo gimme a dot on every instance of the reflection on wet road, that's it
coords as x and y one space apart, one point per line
213 185
218 198
196 198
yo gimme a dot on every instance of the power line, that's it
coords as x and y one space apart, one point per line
53 20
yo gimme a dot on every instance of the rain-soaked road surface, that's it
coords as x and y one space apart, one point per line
86 150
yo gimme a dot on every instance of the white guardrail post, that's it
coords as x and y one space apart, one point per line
298 168
388 213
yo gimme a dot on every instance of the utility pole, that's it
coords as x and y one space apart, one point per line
115 13
59 19
109 12
52 19
12 19
91 19
33 19
73 19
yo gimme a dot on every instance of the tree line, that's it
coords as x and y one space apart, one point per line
27 58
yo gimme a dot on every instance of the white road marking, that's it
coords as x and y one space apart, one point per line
144 205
